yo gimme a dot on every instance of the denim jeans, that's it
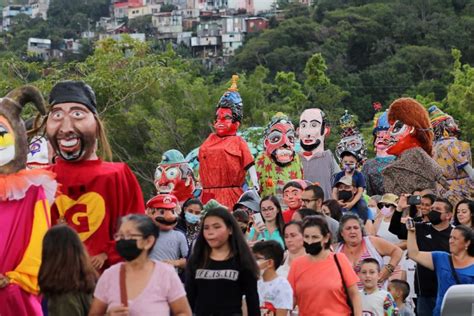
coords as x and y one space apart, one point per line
425 305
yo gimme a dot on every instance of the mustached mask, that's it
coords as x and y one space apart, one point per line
72 139
279 140
13 140
229 111
312 131
161 209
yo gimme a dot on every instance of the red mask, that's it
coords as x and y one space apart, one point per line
223 125
280 142
381 143
401 137
169 179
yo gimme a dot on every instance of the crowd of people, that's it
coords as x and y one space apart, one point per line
289 232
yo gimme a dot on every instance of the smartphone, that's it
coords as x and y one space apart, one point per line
414 200
410 223
258 219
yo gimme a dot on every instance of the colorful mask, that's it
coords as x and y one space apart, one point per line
161 209
443 124
312 131
279 139
13 141
351 139
401 137
38 155
229 111
409 127
174 176
380 133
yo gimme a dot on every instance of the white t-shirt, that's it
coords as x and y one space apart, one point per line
377 303
275 294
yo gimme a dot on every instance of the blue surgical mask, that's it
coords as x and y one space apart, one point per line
191 218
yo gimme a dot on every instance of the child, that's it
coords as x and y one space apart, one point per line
374 301
221 269
400 290
275 292
349 163
66 276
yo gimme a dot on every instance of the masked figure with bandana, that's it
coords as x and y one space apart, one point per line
453 155
278 164
319 165
410 139
174 176
224 157
25 197
171 246
94 193
372 168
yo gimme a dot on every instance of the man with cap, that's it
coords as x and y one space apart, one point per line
171 246
94 193
347 192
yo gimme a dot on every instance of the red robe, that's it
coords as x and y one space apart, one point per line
223 163
94 195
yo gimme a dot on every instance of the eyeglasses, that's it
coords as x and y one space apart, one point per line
306 201
118 237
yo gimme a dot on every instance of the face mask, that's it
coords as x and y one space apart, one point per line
386 211
313 249
349 167
128 249
373 210
344 195
192 218
435 217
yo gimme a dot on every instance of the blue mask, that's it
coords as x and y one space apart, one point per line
191 218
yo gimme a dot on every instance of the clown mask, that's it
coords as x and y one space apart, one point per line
176 179
7 142
224 124
401 137
312 130
72 131
280 142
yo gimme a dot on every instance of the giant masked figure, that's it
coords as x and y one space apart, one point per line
94 193
319 165
372 169
224 157
410 139
351 139
174 176
25 197
278 164
453 155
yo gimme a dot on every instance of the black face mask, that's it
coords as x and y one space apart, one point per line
435 217
344 195
128 249
313 249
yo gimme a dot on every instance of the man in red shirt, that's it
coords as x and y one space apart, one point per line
94 193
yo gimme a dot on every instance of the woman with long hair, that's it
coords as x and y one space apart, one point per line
332 209
456 267
293 234
139 286
464 213
66 276
190 219
272 229
323 283
222 269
